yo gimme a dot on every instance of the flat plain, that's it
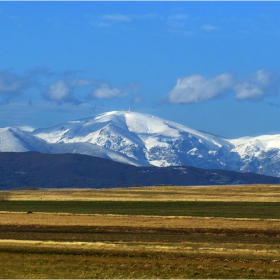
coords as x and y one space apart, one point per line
141 232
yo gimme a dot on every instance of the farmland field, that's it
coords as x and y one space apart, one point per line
156 232
158 208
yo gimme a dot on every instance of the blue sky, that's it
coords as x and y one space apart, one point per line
212 66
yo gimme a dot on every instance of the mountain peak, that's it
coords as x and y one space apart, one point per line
143 123
144 140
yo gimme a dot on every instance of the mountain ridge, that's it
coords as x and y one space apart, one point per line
38 170
146 140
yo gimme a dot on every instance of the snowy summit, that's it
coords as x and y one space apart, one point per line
145 140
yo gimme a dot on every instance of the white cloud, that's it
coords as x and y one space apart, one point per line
12 85
104 91
262 76
59 92
261 83
82 82
245 90
197 88
178 17
129 17
208 27
137 99
109 20
26 128
117 17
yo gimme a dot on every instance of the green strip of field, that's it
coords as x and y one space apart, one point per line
263 210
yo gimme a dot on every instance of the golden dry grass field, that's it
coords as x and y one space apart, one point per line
257 193
67 245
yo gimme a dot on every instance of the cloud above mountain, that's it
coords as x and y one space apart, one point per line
63 91
12 85
261 83
68 87
72 87
105 91
199 88
60 92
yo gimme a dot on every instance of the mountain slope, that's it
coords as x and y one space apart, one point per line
93 150
145 140
80 171
259 154
14 140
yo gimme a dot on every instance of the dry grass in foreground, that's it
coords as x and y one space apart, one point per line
78 246
42 245
102 265
48 219
183 234
250 193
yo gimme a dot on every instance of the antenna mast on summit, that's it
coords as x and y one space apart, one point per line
128 108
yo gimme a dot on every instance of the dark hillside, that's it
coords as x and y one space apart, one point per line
19 170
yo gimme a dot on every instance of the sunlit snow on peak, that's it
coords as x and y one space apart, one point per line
143 140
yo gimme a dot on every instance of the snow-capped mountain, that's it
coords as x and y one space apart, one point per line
259 154
15 140
144 140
